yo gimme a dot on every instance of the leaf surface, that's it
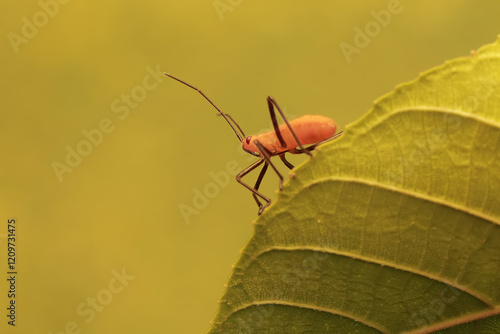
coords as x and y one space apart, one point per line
394 227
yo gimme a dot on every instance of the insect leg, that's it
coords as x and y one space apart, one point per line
266 155
312 147
286 162
271 102
259 180
254 191
275 121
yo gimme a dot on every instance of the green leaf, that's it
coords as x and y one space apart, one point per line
394 227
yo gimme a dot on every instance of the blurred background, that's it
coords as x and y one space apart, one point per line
121 180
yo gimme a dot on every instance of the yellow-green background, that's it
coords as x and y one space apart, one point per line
120 207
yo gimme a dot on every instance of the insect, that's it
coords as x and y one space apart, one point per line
289 137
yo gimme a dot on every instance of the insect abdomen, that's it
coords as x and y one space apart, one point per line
310 129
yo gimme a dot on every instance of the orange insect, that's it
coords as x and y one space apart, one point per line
289 137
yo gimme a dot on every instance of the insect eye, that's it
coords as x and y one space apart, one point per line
248 139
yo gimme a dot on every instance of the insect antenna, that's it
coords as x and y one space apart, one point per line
234 122
228 118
